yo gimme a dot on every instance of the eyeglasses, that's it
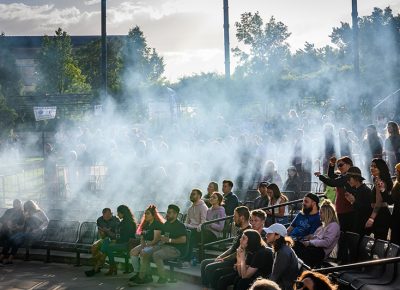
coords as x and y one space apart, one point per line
340 165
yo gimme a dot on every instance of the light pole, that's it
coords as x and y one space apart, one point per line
356 57
103 47
226 41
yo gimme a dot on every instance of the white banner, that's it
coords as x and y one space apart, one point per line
44 113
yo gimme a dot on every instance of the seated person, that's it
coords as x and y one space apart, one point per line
263 200
231 200
257 222
264 284
36 223
293 182
213 269
11 223
253 259
277 214
150 234
215 230
271 175
318 247
286 264
211 188
125 231
314 281
307 220
107 225
196 215
173 239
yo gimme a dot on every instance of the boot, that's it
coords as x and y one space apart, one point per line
112 270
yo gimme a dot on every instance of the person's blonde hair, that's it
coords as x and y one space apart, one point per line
329 211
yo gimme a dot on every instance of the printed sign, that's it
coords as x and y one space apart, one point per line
44 113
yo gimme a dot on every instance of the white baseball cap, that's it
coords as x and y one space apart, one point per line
277 229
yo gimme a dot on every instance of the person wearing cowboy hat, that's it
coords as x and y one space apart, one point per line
360 198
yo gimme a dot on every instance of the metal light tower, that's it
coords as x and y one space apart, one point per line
226 41
103 47
356 57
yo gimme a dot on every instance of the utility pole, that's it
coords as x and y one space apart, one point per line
226 41
103 47
356 56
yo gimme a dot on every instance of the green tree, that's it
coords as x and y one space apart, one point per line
10 77
59 72
89 60
142 64
266 44
8 116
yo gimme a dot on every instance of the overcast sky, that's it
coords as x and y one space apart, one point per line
187 33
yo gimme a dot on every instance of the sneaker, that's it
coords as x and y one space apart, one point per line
162 280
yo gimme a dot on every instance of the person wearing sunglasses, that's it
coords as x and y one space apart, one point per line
314 281
344 208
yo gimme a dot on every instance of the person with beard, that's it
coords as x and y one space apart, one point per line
212 270
359 198
173 240
307 220
318 247
263 200
196 215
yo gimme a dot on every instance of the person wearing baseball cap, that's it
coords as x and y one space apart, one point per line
359 195
285 267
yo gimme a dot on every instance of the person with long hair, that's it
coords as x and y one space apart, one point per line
395 200
285 267
323 241
149 229
380 218
314 281
253 259
392 145
280 214
214 231
125 231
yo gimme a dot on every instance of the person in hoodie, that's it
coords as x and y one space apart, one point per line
196 215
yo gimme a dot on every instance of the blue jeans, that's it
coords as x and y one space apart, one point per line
109 247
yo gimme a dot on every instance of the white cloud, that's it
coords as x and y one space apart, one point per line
91 2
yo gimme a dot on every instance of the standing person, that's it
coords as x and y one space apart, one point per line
344 209
231 201
280 214
293 181
380 218
263 200
371 146
286 264
271 175
215 230
107 225
318 247
307 220
329 145
392 145
345 143
213 269
125 231
254 259
149 230
394 198
211 188
360 198
11 223
173 240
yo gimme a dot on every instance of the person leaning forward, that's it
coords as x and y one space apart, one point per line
107 225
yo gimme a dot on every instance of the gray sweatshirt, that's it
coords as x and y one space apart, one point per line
196 215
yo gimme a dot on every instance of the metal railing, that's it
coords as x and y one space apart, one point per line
203 245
